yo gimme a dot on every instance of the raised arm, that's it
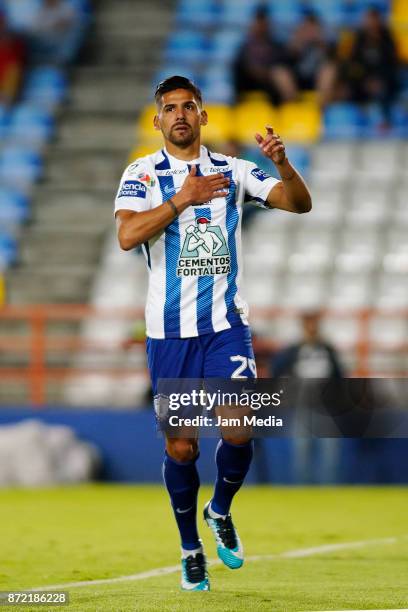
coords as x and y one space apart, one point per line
135 228
291 193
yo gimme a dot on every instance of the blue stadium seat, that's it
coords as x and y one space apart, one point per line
374 121
30 124
14 207
187 47
353 10
300 157
217 85
285 16
19 166
200 13
399 120
175 68
225 45
8 250
3 121
238 13
45 86
331 12
21 13
49 76
343 120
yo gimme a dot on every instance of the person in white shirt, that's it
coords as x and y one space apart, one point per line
183 205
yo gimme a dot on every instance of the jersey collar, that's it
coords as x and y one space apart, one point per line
204 156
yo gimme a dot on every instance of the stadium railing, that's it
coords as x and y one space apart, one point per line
36 350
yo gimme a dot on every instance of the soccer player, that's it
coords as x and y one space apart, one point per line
183 206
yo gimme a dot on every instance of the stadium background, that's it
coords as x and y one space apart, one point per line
75 107
71 343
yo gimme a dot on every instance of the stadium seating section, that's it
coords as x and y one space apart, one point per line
25 129
352 251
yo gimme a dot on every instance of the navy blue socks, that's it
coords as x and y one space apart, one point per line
182 482
233 461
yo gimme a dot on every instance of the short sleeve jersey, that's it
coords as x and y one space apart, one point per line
194 263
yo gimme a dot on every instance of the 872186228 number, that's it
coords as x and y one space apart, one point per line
31 598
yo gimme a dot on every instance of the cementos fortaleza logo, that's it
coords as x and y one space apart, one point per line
132 189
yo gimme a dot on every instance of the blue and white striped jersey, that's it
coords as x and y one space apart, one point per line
194 263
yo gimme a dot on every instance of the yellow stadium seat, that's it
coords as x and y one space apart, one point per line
299 122
142 149
399 26
400 31
255 96
145 131
251 117
220 126
309 95
145 120
2 291
399 10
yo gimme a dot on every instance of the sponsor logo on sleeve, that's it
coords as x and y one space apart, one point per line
132 189
259 174
133 168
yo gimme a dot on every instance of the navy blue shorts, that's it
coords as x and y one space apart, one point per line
182 365
227 354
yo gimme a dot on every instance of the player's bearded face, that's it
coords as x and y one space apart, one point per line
180 118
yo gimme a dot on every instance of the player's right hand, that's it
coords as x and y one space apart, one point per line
199 189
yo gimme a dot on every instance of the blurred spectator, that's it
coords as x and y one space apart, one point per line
312 58
261 63
56 32
12 54
372 69
312 357
316 460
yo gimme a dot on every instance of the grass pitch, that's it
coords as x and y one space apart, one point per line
95 532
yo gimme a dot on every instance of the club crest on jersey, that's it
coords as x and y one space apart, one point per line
132 189
259 174
145 178
204 251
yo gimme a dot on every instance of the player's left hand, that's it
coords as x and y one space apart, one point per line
272 146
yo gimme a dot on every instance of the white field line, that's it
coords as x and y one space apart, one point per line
171 569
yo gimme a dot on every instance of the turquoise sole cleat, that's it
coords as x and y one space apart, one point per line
194 576
229 547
